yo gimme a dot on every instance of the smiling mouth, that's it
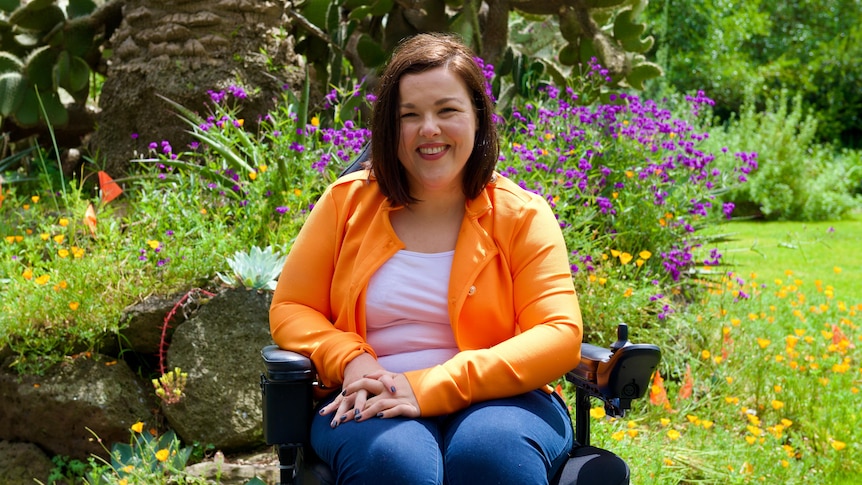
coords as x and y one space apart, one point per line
432 150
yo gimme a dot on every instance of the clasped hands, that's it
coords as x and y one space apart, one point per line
371 391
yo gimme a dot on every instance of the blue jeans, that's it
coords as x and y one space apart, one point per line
523 439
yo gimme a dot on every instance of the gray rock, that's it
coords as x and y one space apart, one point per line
142 331
219 348
23 463
55 410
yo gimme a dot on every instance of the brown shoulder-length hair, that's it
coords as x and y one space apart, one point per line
418 54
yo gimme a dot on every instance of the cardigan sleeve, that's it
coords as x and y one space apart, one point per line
545 342
301 313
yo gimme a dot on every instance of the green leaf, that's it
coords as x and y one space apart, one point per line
79 39
360 13
12 90
80 8
52 109
9 5
71 73
569 55
370 52
642 73
39 67
28 112
38 15
315 12
10 63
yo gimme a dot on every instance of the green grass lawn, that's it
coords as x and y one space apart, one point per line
827 251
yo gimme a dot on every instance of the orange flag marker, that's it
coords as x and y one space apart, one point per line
657 392
90 219
687 387
110 189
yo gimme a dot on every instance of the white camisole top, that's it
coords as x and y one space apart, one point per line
407 316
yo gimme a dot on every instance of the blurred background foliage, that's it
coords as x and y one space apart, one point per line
784 76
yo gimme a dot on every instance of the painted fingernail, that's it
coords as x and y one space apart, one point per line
321 412
343 417
392 389
333 424
379 415
356 413
344 392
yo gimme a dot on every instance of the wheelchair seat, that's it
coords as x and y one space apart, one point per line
616 376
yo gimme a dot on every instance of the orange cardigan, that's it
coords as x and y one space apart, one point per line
512 303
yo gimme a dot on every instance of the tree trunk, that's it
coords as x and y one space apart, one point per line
180 49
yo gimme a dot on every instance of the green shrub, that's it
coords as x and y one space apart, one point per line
795 178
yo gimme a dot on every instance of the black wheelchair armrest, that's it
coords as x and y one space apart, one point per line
616 376
286 387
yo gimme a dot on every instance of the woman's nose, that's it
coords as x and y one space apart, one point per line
429 127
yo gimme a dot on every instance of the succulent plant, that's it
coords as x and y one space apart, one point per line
256 270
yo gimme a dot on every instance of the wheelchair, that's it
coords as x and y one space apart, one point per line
615 376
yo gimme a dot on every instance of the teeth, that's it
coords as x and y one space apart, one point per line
432 151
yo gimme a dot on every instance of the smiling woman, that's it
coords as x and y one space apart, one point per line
442 302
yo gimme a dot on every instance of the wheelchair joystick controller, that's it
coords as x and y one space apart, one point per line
622 337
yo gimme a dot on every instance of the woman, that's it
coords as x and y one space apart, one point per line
433 295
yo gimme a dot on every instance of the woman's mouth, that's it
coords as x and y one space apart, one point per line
432 150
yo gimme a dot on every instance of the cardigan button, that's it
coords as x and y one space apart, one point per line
471 291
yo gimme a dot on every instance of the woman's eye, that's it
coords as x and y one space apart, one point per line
407 115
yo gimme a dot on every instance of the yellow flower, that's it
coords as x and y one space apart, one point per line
297 192
673 434
776 404
664 421
838 445
597 412
619 435
162 455
628 292
35 199
625 258
836 269
252 175
763 343
315 121
27 274
45 236
153 243
77 252
645 255
123 481
64 222
63 253
705 354
74 305
138 427
262 168
43 280
59 238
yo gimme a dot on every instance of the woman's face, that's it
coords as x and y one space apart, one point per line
438 130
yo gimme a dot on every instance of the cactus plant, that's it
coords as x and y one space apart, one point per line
44 58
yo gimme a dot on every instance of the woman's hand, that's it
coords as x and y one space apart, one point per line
369 390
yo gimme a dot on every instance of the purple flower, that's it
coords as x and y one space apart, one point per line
281 209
